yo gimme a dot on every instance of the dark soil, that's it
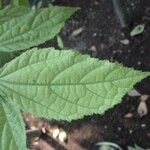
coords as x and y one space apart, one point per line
100 37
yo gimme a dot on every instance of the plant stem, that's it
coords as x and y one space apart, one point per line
119 13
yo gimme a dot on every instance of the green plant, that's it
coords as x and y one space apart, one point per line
20 29
47 82
20 2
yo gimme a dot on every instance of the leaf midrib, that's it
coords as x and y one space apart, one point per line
48 107
59 84
66 84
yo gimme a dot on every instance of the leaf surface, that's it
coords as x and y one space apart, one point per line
64 84
32 28
12 128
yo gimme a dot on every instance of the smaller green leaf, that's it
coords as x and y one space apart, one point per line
60 42
12 128
32 28
137 30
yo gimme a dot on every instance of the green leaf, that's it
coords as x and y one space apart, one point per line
0 4
20 2
64 84
12 128
33 28
137 30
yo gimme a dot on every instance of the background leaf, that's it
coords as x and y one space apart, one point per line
4 58
33 28
64 84
20 2
12 130
135 148
0 4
